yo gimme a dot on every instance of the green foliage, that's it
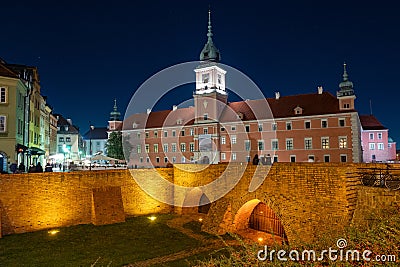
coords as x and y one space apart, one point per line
114 146
381 236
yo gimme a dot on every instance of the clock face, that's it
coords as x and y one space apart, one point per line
205 77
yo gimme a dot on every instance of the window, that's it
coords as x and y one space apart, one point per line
205 117
371 146
141 159
158 159
183 133
371 136
343 158
173 159
341 123
205 130
223 140
289 144
275 158
379 135
233 139
155 148
307 124
3 95
293 158
324 124
165 160
274 127
173 133
342 142
288 126
223 156
165 147
381 146
327 158
61 139
233 156
247 128
222 129
155 134
138 135
191 147
165 134
183 147
260 127
147 147
173 147
139 149
260 145
247 145
183 160
147 134
308 143
311 158
219 78
191 131
147 159
205 77
274 144
233 128
68 139
325 143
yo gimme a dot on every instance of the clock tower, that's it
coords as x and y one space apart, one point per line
210 99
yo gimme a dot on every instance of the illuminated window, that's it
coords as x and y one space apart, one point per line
155 148
3 123
147 147
233 156
223 140
325 142
381 146
343 142
223 156
139 149
191 147
233 139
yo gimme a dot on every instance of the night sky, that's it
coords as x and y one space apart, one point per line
89 54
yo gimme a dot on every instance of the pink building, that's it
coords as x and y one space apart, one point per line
376 144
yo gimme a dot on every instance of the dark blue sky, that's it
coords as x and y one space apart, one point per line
88 54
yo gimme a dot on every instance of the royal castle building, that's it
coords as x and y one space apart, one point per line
314 127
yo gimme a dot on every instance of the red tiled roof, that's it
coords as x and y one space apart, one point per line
284 107
369 122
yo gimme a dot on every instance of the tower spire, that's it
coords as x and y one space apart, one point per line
345 75
210 52
115 114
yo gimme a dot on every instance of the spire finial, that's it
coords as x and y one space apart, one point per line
345 75
115 104
209 34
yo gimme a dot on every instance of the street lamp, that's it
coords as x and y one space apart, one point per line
91 127
65 150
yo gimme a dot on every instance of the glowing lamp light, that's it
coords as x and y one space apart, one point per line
260 239
152 218
53 232
200 219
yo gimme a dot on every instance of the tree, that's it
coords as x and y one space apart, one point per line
114 146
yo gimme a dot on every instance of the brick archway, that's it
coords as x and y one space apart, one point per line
242 218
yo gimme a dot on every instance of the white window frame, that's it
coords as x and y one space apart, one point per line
292 143
326 145
233 156
165 147
272 144
306 141
345 139
381 146
371 136
371 146
233 139
4 90
183 147
3 125
223 140
223 156
322 123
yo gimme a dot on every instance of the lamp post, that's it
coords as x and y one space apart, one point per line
91 127
65 150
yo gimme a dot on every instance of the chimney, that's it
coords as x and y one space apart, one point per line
148 110
69 121
174 107
277 95
320 90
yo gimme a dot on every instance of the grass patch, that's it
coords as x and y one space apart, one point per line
134 240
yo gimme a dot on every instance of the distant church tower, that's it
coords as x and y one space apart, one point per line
346 93
210 95
115 123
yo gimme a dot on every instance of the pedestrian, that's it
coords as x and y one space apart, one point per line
48 168
32 169
39 167
13 167
21 167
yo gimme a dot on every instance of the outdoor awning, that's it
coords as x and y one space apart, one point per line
35 151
